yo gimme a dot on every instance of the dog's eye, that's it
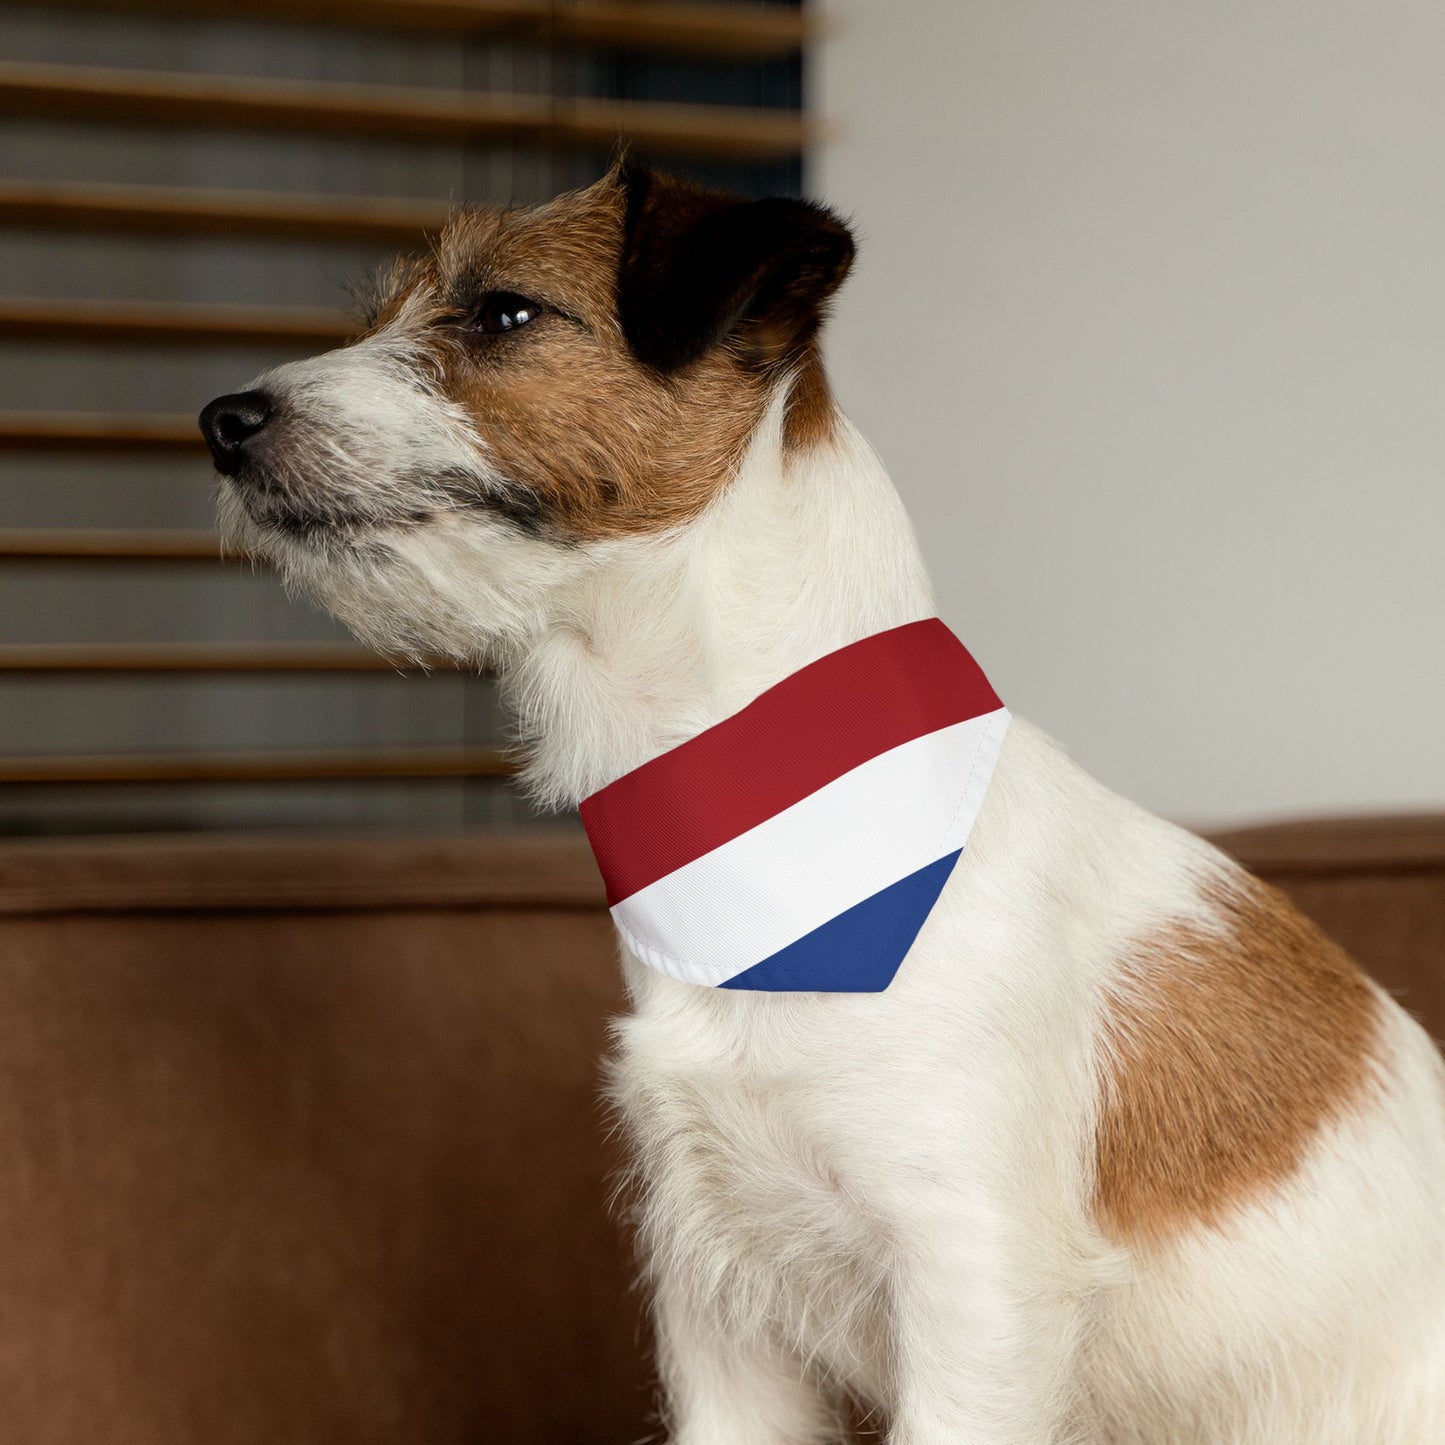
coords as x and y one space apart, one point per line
504 311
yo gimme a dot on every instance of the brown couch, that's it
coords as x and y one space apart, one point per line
302 1141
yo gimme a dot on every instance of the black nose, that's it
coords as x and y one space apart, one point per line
229 422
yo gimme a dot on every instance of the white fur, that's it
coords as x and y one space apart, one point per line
889 1194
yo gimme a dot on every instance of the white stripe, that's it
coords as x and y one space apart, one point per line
766 888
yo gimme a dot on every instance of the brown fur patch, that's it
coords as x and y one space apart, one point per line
605 445
1227 1052
812 415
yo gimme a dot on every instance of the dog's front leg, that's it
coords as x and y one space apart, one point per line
724 1387
984 1337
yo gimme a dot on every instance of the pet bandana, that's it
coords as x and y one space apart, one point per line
801 843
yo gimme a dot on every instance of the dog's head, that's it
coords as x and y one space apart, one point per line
545 383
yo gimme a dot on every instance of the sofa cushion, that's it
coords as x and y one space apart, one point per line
302 1140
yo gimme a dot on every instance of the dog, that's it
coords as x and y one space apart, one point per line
1126 1153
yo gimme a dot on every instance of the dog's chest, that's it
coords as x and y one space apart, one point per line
747 1183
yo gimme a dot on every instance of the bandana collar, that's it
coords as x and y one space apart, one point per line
800 844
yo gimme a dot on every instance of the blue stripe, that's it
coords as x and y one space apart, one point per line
861 949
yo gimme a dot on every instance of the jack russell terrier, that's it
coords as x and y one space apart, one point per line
958 1087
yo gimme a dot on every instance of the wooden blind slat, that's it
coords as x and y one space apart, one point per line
171 323
172 211
219 102
187 657
77 431
755 32
328 765
83 544
762 32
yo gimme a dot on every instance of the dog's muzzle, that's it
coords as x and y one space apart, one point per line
231 423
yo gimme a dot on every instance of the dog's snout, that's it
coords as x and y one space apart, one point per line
229 422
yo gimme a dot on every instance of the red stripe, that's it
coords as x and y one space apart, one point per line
814 726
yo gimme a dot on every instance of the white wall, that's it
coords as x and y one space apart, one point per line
1149 324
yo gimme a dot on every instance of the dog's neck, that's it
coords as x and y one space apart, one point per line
803 553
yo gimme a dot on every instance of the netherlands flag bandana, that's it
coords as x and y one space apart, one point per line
800 844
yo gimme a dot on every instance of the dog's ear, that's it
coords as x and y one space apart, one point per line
700 266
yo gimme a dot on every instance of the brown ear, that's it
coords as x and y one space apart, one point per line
699 266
